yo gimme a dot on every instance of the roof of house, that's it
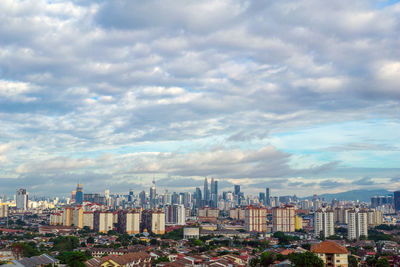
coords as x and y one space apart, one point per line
330 247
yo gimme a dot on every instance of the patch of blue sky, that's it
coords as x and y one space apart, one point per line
380 4
368 143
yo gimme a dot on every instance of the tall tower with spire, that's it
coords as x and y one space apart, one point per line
206 192
153 194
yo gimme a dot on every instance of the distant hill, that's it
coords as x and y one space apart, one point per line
361 195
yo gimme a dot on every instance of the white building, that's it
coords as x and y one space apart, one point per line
324 223
358 224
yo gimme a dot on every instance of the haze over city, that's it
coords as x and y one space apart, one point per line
298 96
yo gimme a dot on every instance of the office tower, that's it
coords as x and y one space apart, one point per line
130 196
128 222
358 224
153 221
324 224
142 197
256 219
268 196
22 199
107 193
214 193
283 219
262 198
73 195
396 200
276 202
103 221
175 214
3 210
206 193
375 218
237 189
79 194
188 200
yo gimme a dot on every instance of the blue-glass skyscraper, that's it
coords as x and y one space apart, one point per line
79 194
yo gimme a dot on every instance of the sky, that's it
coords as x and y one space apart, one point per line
299 96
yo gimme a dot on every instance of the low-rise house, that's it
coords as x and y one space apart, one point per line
331 253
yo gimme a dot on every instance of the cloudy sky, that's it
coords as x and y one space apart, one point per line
301 96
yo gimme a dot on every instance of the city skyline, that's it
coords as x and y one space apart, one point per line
297 96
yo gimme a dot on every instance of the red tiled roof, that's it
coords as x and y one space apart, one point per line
330 247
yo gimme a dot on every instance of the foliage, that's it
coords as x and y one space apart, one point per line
387 227
267 258
176 234
284 239
90 240
66 243
306 246
307 259
73 258
382 262
377 236
161 259
254 262
352 261
25 249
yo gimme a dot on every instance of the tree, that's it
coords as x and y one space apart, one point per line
67 243
266 259
307 259
382 262
90 240
73 258
352 261
254 262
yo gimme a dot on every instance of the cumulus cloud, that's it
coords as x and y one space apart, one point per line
154 85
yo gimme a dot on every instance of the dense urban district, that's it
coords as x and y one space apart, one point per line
203 228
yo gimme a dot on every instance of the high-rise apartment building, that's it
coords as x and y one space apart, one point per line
256 219
103 221
68 216
129 221
358 224
22 199
283 219
324 223
375 218
153 221
175 214
3 210
77 217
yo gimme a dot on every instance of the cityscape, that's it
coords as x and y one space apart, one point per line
212 133
200 228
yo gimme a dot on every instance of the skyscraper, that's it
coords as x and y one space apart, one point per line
206 192
79 194
237 189
267 196
22 199
214 193
396 200
256 219
153 194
